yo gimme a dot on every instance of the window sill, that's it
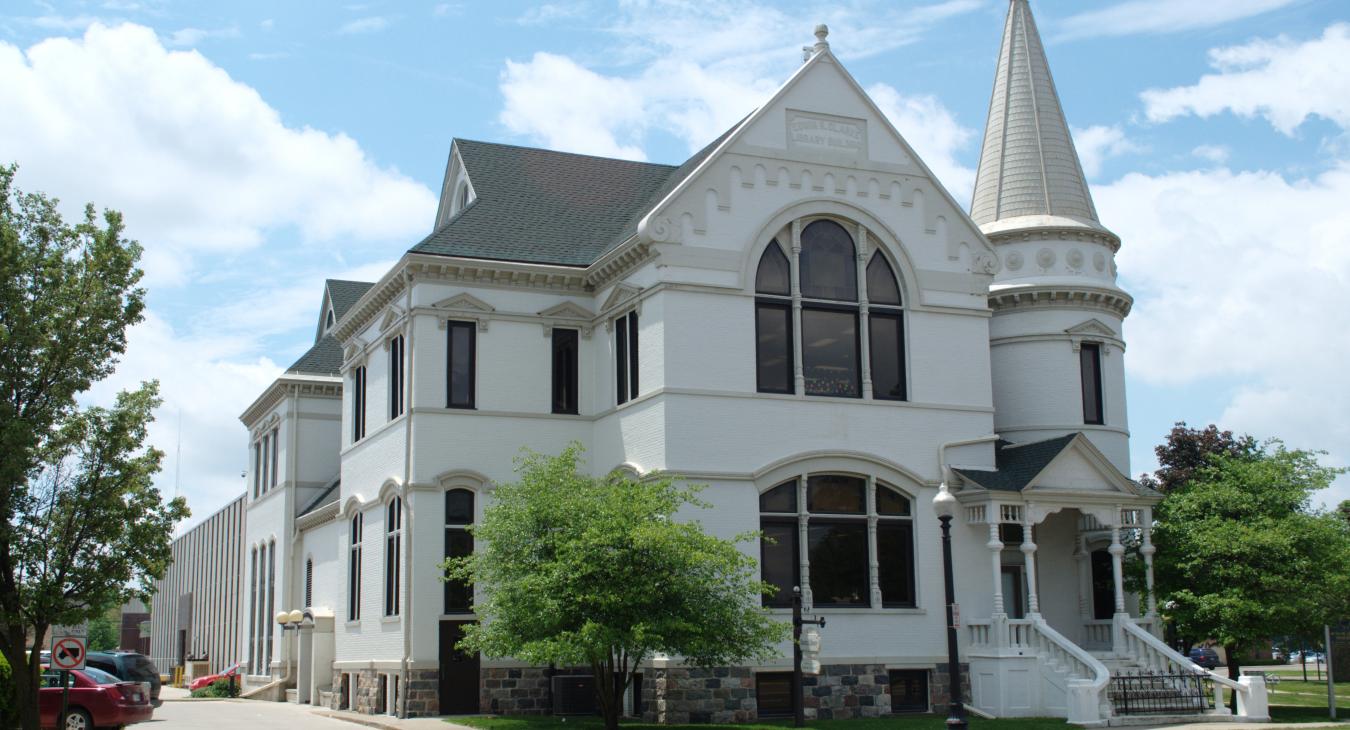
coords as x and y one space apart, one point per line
391 619
854 611
353 623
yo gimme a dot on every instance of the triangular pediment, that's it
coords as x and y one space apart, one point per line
464 302
821 137
1081 467
622 294
391 315
1092 327
567 310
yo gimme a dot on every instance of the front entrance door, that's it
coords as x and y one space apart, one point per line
1103 586
459 672
1014 599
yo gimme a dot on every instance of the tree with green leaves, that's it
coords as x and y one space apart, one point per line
606 572
103 632
83 529
1188 449
1344 509
1242 555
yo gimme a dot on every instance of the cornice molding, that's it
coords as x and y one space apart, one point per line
318 386
321 516
1114 302
1055 233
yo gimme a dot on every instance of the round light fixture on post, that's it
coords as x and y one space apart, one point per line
297 616
283 617
944 504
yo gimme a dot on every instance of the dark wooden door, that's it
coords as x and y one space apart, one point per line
1103 585
459 672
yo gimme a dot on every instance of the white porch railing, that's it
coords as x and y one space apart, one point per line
1149 651
1087 677
1098 634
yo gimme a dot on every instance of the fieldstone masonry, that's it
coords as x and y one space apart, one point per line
523 691
939 684
367 696
847 691
422 698
689 694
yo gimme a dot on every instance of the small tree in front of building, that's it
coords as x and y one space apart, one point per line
1242 554
602 572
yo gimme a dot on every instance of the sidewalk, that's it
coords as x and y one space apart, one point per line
386 722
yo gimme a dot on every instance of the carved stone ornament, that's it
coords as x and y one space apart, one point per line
1045 258
464 306
567 315
1075 259
1015 261
1099 261
984 263
665 230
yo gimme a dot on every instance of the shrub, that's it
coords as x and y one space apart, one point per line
8 718
224 687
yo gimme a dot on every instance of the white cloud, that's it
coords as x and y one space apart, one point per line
198 162
1099 143
184 37
552 12
364 25
1216 153
1283 81
1242 276
933 132
691 70
1161 16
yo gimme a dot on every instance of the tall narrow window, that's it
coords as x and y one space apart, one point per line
257 468
275 443
460 369
773 322
396 377
458 544
393 543
895 548
266 461
354 572
271 600
779 559
886 330
829 289
564 370
1090 361
626 357
253 612
358 403
309 582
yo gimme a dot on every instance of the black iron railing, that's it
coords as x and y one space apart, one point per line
1147 693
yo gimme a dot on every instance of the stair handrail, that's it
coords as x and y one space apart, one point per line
1089 665
1173 660
1252 700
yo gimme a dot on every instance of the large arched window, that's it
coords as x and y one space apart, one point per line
848 520
837 358
458 544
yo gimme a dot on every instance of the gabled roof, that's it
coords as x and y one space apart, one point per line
327 496
324 358
1028 166
546 207
342 294
1017 464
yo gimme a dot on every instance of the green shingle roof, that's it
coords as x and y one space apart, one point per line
547 207
1018 464
324 358
342 294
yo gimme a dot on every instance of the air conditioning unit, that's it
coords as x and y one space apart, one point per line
574 694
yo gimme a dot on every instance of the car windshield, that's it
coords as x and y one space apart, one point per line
99 676
141 667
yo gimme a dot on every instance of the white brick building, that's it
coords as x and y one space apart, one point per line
799 316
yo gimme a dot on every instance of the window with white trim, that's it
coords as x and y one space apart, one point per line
459 506
354 570
393 545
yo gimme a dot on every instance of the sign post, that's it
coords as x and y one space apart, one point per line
68 654
1331 687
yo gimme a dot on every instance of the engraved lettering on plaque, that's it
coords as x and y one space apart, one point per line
824 132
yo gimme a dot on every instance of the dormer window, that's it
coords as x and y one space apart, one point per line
463 196
328 321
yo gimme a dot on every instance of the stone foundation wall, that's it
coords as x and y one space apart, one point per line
421 695
847 691
939 684
523 691
367 695
689 694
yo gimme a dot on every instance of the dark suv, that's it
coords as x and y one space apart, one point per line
129 667
1205 657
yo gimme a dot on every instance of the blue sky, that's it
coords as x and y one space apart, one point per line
257 148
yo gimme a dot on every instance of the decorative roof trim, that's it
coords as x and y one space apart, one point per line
321 386
1061 233
320 516
1112 301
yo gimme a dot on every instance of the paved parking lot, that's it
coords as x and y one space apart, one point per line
253 715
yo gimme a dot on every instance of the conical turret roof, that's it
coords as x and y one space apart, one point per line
1028 166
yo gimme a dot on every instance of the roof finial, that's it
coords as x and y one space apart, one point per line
822 31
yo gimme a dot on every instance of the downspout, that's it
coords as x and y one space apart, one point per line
406 563
947 473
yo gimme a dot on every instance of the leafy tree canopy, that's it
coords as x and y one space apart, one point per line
1243 556
602 572
1188 449
83 528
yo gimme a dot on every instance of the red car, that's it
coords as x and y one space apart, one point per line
97 699
208 680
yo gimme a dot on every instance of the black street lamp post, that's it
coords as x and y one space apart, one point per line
945 506
798 703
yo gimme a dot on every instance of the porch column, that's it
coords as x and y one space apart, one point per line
995 546
1029 552
803 541
1117 551
1147 550
1083 559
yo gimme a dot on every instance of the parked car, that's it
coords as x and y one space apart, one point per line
96 699
1205 657
230 672
128 666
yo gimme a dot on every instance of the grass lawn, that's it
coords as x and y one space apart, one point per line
891 722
